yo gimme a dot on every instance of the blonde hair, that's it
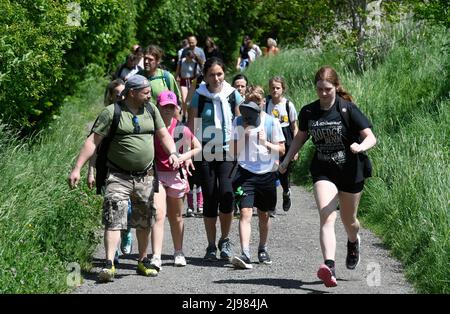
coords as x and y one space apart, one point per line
254 93
271 42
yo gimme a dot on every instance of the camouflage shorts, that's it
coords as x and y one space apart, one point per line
120 188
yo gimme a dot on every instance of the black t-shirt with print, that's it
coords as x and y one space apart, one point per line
332 139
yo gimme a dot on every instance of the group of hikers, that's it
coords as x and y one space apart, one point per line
230 142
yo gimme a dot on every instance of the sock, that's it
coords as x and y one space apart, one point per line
246 252
329 263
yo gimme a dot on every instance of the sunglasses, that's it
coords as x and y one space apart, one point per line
137 127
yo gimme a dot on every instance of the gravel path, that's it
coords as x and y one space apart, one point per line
293 246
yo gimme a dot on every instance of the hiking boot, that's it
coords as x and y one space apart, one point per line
225 249
126 244
327 275
180 260
189 212
147 268
211 252
264 257
241 262
200 211
352 259
107 273
287 200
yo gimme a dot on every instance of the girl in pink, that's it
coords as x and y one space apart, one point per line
173 184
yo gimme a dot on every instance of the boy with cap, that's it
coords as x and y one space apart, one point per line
257 143
173 183
130 176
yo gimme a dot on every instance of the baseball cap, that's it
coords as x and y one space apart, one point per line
167 97
135 82
250 113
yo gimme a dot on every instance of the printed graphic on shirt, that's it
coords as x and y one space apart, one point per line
327 136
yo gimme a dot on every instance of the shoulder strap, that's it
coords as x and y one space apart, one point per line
287 110
166 78
343 109
232 102
239 121
268 98
151 111
115 120
201 105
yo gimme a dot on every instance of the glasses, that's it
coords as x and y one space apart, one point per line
137 127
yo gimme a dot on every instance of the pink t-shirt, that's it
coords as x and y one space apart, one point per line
161 157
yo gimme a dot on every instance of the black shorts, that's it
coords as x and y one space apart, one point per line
341 186
259 190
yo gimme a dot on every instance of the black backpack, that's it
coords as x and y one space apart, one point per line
344 109
101 168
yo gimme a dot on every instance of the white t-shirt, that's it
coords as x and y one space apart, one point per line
254 157
279 112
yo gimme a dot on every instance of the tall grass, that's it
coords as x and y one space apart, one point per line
44 225
406 96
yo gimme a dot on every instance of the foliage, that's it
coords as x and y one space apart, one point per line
33 36
44 225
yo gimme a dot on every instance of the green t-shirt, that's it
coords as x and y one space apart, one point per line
158 84
130 151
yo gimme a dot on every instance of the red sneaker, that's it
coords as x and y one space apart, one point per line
327 275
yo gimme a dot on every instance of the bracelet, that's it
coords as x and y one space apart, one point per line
174 153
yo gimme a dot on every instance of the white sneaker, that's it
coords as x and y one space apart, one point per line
180 260
189 212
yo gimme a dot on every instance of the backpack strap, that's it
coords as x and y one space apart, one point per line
268 98
115 120
287 110
166 78
201 105
151 111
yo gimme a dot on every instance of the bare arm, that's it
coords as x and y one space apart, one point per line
369 141
191 119
294 129
168 145
87 151
299 140
196 148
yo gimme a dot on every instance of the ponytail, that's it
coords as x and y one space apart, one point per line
343 93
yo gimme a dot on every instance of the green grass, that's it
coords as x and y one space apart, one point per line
43 224
406 96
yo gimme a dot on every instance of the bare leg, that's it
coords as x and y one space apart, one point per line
325 193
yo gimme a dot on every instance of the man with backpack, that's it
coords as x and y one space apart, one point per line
130 175
160 79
